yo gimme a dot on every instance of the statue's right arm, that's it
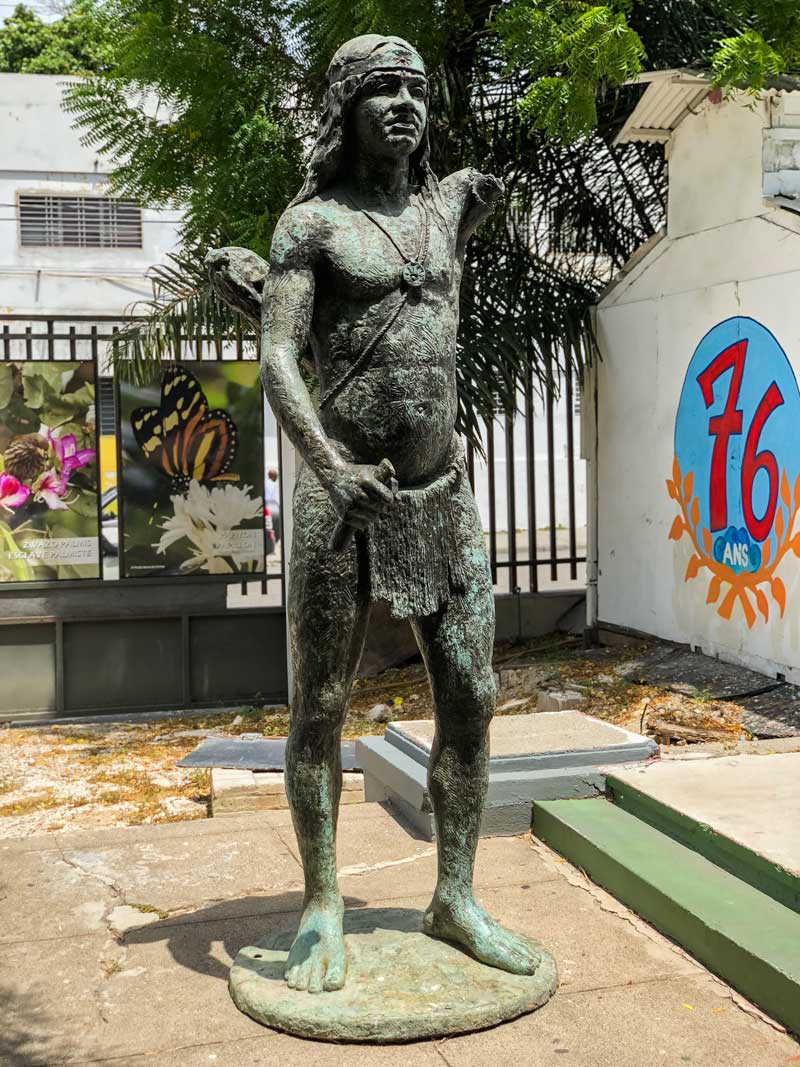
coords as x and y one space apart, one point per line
287 310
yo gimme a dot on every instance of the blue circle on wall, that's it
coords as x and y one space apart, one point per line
738 431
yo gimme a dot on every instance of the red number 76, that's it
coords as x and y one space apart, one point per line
729 423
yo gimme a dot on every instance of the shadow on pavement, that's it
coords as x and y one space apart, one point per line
192 937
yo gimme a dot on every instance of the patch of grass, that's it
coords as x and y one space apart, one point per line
111 967
150 909
7 785
33 803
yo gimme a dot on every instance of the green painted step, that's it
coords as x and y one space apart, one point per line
737 859
741 934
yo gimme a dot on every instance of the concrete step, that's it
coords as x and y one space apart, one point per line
742 813
743 935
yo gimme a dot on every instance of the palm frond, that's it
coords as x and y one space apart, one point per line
182 319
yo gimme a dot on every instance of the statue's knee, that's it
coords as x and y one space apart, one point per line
471 702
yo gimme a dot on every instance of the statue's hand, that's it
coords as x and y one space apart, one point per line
238 277
361 491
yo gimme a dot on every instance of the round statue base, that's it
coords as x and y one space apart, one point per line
401 985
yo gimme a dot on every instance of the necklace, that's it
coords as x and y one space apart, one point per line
414 272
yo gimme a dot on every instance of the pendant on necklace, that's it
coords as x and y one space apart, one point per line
414 274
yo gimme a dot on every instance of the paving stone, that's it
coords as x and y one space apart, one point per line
561 700
264 754
681 1022
773 714
694 674
183 871
236 790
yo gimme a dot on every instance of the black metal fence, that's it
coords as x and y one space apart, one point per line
529 483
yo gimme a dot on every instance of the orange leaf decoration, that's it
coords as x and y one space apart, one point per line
749 614
707 543
695 511
779 593
779 524
766 553
726 607
714 587
676 471
786 495
692 568
796 545
763 604
673 492
797 494
677 529
688 485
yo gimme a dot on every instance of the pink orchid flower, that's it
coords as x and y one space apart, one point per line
50 487
70 457
13 493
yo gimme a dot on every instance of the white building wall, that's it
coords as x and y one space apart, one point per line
727 253
40 152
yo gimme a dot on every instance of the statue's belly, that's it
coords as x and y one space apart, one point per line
404 414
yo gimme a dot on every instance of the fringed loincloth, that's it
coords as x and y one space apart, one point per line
415 549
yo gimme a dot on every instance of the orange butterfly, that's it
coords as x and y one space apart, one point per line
182 438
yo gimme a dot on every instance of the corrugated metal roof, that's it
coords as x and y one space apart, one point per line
669 97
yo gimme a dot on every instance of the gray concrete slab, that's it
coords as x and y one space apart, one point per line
155 993
265 754
545 733
545 756
752 800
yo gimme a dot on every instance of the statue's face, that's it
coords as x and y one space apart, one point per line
389 116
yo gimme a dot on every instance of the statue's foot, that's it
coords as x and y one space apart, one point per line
317 959
466 923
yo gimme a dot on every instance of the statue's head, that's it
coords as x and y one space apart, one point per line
376 103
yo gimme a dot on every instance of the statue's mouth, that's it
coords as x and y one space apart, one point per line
406 129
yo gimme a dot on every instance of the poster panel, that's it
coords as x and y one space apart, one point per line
192 472
49 505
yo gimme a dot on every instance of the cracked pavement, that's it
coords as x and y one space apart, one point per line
115 947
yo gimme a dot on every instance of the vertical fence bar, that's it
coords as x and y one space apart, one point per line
6 342
573 547
492 501
471 464
28 342
283 519
511 505
72 343
51 345
530 467
551 471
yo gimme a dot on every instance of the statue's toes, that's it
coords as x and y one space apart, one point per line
337 969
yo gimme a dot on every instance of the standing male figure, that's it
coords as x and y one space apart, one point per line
364 275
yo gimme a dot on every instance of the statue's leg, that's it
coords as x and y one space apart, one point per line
328 611
456 644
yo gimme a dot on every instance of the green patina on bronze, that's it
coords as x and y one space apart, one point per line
363 282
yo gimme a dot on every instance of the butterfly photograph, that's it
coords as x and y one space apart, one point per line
182 437
192 471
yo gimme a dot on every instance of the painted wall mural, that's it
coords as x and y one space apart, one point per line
736 471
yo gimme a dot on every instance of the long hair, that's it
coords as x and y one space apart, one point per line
328 155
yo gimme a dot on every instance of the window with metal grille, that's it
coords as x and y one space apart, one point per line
79 221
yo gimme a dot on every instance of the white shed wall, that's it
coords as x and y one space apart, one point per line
726 253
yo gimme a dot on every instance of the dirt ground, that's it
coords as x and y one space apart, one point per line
69 777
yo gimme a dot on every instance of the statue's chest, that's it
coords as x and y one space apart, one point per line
365 261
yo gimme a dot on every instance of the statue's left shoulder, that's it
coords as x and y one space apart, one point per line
472 197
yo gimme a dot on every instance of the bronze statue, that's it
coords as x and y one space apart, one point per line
363 282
